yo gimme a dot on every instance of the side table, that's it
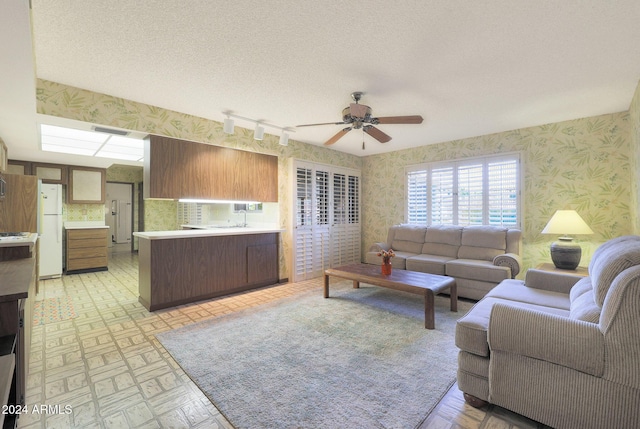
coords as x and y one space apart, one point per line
580 271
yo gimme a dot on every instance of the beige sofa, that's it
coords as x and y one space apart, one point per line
560 349
479 257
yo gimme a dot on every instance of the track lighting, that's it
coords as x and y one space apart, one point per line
228 126
284 139
258 133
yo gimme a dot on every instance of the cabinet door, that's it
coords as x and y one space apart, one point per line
86 185
50 173
19 167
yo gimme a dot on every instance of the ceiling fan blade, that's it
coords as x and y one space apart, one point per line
376 134
324 123
358 110
338 136
415 119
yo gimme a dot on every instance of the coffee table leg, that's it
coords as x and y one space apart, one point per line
429 313
326 286
453 292
356 284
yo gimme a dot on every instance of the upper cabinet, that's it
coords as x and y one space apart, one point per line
22 168
86 185
177 169
50 173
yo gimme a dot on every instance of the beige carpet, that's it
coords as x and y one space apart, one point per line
361 359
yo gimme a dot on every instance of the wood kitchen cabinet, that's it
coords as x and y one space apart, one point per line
19 167
19 209
86 185
86 250
175 271
17 293
50 173
180 169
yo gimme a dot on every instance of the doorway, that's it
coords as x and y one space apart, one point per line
119 216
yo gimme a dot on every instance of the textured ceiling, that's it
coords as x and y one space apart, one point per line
468 67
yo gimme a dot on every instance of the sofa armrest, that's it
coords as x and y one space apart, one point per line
559 340
551 281
510 260
378 247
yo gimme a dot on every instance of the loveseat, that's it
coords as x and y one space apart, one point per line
478 257
560 349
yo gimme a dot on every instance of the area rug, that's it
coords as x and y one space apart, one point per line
360 359
51 310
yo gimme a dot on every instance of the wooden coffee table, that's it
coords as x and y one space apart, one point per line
424 284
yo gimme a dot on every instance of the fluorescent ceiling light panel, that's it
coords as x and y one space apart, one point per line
89 143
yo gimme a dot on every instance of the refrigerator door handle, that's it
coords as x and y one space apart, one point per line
59 229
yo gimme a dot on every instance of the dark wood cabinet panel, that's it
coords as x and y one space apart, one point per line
19 167
182 270
19 208
179 169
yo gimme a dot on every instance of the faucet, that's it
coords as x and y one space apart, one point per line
245 218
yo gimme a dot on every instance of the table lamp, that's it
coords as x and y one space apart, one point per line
564 253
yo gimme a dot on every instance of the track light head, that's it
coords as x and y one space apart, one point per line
258 133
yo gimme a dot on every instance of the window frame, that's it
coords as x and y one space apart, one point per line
413 208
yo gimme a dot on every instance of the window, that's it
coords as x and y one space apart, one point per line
479 191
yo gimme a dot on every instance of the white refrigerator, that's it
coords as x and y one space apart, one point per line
50 230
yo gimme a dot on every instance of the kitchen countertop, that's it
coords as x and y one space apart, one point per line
28 240
192 233
85 225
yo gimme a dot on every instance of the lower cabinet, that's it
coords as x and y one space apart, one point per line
86 250
177 271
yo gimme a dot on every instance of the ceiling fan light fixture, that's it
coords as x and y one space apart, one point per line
228 127
258 133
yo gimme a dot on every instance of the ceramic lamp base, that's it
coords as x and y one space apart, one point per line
565 254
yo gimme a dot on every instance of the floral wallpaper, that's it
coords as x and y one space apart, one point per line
64 101
590 165
583 164
634 116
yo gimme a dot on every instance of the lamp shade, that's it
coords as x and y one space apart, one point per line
566 222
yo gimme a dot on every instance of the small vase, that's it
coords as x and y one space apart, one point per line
386 268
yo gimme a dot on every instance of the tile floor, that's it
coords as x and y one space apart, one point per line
107 366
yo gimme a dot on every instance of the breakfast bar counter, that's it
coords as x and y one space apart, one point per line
180 267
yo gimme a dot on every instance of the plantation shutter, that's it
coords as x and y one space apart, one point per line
470 195
481 191
417 203
503 192
442 193
327 219
304 222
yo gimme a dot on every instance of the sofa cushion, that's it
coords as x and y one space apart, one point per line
432 264
471 329
409 238
583 305
400 260
610 262
516 290
442 240
477 269
584 308
482 242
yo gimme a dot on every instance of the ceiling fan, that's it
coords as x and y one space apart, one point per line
358 116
